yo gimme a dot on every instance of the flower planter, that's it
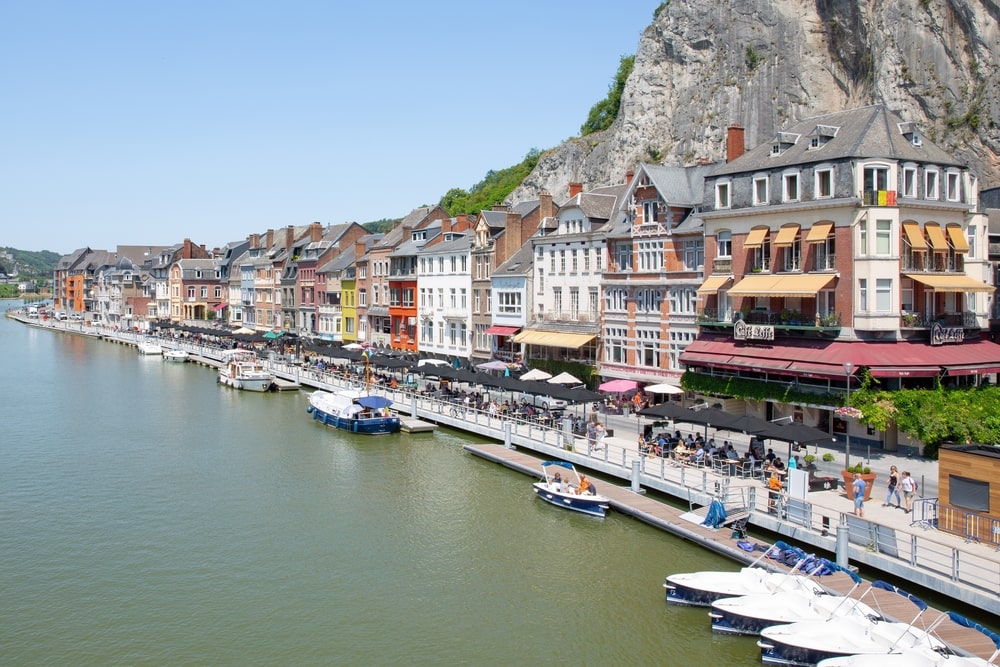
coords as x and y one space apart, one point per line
849 484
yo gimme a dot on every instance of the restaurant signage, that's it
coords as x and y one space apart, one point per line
744 331
942 335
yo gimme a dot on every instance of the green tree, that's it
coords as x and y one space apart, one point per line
495 187
604 113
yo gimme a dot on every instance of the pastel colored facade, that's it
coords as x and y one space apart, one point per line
444 295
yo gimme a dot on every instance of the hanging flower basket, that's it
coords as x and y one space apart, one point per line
849 412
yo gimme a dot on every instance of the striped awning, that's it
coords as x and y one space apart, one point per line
786 285
713 284
914 236
950 282
958 240
786 235
934 232
819 232
573 341
756 237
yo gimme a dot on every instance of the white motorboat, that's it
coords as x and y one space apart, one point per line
701 589
751 614
563 487
176 355
806 643
149 347
243 369
923 657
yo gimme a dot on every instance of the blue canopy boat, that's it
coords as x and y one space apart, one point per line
564 487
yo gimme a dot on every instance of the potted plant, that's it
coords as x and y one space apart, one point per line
866 474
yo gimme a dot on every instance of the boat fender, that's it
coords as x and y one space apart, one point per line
309 409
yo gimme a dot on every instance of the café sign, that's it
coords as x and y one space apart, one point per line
744 331
942 335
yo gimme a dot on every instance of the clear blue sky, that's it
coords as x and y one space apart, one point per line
147 122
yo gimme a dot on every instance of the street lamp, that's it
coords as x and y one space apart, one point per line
848 369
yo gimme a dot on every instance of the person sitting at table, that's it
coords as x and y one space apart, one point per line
731 452
699 455
681 452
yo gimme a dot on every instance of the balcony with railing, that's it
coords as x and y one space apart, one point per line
787 322
916 320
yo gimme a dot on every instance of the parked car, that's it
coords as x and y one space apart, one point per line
60 315
544 402
75 316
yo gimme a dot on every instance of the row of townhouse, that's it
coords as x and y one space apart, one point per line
849 241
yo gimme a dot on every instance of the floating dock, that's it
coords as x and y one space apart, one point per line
410 425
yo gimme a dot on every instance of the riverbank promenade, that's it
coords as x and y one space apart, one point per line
886 540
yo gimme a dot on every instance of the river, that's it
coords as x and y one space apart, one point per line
149 516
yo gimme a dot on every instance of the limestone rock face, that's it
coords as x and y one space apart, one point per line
702 66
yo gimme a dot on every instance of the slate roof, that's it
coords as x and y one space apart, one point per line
867 132
519 264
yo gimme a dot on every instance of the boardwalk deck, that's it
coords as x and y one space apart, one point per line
670 519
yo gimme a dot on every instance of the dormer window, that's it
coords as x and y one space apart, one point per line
419 235
910 132
783 141
821 136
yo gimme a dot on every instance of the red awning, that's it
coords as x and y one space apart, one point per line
497 330
219 306
826 358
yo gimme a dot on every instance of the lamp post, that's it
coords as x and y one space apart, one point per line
848 369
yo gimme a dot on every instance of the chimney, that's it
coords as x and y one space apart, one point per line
735 142
254 240
269 239
629 175
186 252
503 206
359 250
289 237
575 188
545 209
445 226
514 236
407 233
315 232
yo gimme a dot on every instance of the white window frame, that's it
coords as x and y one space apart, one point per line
909 184
953 185
824 174
788 179
761 190
723 195
932 184
724 243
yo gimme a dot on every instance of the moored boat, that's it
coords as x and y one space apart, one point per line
701 589
243 369
149 347
751 614
355 411
564 487
806 643
176 355
923 657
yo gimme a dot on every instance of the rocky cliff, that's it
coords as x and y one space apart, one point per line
702 66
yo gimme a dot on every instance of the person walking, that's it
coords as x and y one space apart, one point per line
909 488
893 488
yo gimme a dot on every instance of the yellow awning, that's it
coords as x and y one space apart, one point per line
770 285
958 240
934 232
950 282
786 235
819 232
756 237
573 341
713 284
914 236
